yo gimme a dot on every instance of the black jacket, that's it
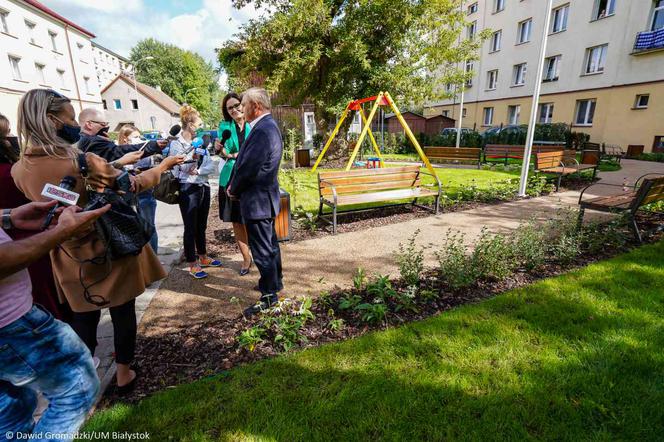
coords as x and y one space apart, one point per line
110 151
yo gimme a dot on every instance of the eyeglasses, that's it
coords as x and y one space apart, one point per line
234 107
101 123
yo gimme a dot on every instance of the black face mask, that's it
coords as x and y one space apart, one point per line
103 132
70 134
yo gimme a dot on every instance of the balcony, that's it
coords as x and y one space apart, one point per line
649 41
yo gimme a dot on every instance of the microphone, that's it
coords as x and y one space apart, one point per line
63 194
175 130
225 135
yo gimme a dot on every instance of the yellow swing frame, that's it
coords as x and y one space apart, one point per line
382 99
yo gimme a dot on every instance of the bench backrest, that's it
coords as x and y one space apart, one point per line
368 180
650 191
548 160
452 153
507 149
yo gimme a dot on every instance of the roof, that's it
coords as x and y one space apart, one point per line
160 98
35 4
403 113
115 54
440 116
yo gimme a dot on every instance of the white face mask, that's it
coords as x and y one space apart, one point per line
135 140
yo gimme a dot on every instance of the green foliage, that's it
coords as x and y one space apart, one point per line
428 295
454 262
251 337
286 321
291 146
331 51
493 257
381 288
405 299
411 260
359 279
656 156
176 71
349 302
336 324
527 243
373 313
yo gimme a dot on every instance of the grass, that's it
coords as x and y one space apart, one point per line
577 357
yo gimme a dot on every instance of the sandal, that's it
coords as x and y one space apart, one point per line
197 272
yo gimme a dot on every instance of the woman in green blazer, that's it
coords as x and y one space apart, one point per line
229 210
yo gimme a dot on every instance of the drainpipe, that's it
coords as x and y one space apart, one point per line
71 61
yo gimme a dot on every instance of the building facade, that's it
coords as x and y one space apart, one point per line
603 73
150 109
108 64
41 49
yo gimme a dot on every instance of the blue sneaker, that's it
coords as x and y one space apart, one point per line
209 262
197 272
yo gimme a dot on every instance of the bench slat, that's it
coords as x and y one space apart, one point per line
350 189
384 196
328 182
368 172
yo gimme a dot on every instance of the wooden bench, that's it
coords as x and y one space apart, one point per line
453 155
505 151
364 186
645 191
561 163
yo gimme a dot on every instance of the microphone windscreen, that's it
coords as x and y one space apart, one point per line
225 135
175 130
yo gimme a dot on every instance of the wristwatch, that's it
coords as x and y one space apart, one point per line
7 219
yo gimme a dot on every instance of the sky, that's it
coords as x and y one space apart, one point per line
197 25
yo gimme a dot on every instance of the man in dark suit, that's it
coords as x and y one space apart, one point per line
255 183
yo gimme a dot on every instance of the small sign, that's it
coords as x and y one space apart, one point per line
57 193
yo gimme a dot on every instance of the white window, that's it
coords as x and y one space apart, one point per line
551 68
604 8
79 46
472 30
446 113
117 104
61 78
469 68
488 116
513 114
492 79
519 77
86 80
499 5
525 28
41 74
546 113
472 8
14 62
153 122
585 112
54 42
642 101
464 113
658 16
30 27
3 21
496 39
559 19
596 59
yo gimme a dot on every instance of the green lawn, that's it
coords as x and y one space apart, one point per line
451 179
577 357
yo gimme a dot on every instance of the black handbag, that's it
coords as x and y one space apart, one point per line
122 229
168 189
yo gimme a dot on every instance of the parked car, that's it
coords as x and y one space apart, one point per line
453 131
509 129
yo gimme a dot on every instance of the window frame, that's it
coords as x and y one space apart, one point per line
117 104
519 31
637 101
601 61
41 73
655 11
484 115
565 20
63 80
517 114
596 10
492 75
499 34
557 59
592 105
31 26
470 8
469 68
134 104
4 25
471 30
14 63
495 6
53 36
549 115
515 74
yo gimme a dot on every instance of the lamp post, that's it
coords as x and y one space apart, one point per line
140 112
187 92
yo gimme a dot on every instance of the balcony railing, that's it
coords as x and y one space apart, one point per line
649 41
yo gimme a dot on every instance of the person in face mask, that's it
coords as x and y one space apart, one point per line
94 138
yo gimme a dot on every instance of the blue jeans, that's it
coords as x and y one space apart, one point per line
38 353
147 206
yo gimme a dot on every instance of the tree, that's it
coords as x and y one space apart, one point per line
177 71
331 51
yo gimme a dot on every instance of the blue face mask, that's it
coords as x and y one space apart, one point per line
69 133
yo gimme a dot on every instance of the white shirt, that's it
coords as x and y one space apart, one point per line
253 123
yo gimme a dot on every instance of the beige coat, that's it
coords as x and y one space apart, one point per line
120 281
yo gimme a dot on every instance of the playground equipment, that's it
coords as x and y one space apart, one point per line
382 99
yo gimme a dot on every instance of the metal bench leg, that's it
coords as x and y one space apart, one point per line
437 204
594 173
635 227
560 177
320 210
334 220
579 222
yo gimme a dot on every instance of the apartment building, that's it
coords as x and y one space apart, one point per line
603 73
108 64
41 49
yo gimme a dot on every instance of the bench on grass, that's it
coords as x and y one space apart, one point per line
364 186
613 151
505 151
645 191
453 155
561 163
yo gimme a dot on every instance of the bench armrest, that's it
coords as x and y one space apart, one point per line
438 183
642 177
332 186
597 184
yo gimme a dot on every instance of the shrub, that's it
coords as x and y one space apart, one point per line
655 156
454 263
359 279
373 313
493 257
411 260
381 288
527 246
283 323
349 302
405 299
251 337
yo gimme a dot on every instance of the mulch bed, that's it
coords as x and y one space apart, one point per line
200 350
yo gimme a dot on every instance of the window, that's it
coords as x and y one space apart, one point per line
464 113
519 75
499 5
585 111
31 31
117 104
469 68
546 113
604 8
446 113
134 104
641 101
488 116
54 43
523 34
658 16
103 102
492 79
472 30
551 67
41 76
496 40
14 62
3 21
559 19
472 8
595 59
61 77
513 114
80 46
448 88
153 122
658 144
86 80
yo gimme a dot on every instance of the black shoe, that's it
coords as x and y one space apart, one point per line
265 303
244 272
127 388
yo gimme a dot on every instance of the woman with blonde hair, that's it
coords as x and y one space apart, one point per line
194 192
84 277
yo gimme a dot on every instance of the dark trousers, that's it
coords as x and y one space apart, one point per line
194 207
124 330
267 255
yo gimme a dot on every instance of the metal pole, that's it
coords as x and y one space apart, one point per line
525 167
187 92
463 86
